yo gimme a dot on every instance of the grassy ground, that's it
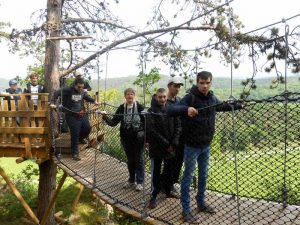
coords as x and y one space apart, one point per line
90 210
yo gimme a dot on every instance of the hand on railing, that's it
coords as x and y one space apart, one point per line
52 106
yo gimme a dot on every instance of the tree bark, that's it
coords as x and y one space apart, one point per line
47 179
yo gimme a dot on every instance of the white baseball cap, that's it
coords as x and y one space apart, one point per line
175 80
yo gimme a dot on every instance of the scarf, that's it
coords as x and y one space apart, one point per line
131 117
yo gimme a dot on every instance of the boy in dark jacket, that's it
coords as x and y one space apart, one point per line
163 136
76 117
132 136
13 89
198 131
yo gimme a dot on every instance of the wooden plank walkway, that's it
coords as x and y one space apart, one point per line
108 176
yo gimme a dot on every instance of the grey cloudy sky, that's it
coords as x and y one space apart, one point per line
254 14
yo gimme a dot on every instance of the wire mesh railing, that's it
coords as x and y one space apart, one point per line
253 175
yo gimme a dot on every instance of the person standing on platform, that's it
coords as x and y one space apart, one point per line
163 136
77 119
132 136
33 87
198 131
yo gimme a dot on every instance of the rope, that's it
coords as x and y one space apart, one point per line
105 80
284 190
231 98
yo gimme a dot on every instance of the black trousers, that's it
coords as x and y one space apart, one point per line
80 128
176 162
134 149
159 181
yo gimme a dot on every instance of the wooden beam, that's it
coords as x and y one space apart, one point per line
20 160
76 200
46 215
23 113
19 197
68 37
28 153
24 130
20 152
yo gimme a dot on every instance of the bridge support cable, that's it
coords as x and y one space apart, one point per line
232 100
286 95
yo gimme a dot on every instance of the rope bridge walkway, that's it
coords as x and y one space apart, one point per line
253 175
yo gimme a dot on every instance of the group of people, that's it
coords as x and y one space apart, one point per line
176 131
31 87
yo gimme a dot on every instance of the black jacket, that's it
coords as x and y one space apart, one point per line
119 117
72 100
162 131
199 131
16 98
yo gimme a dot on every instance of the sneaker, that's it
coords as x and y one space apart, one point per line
173 194
93 143
129 185
206 208
189 218
139 187
152 203
82 141
76 157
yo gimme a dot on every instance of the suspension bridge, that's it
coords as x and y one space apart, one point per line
258 185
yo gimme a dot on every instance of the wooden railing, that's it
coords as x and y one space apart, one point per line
24 127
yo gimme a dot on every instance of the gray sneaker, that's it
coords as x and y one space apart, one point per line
129 185
76 157
189 218
206 208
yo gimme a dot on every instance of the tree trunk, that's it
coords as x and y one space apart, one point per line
47 179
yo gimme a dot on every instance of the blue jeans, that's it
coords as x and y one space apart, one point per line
191 156
80 128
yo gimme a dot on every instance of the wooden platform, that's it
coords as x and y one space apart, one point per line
24 128
106 176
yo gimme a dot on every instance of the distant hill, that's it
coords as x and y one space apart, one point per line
221 85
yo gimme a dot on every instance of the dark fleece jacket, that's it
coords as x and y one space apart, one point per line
162 131
198 131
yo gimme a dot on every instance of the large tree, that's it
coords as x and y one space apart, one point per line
211 23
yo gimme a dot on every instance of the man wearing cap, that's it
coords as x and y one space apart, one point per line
174 84
13 89
87 86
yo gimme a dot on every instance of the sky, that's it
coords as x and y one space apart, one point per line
253 13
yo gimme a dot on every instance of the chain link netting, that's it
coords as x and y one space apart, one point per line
253 175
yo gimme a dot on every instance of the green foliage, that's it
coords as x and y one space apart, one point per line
147 81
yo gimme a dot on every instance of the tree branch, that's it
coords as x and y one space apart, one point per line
87 20
132 37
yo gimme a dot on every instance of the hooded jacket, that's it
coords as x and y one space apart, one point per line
162 131
199 131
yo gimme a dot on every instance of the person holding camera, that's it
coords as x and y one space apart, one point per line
132 136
